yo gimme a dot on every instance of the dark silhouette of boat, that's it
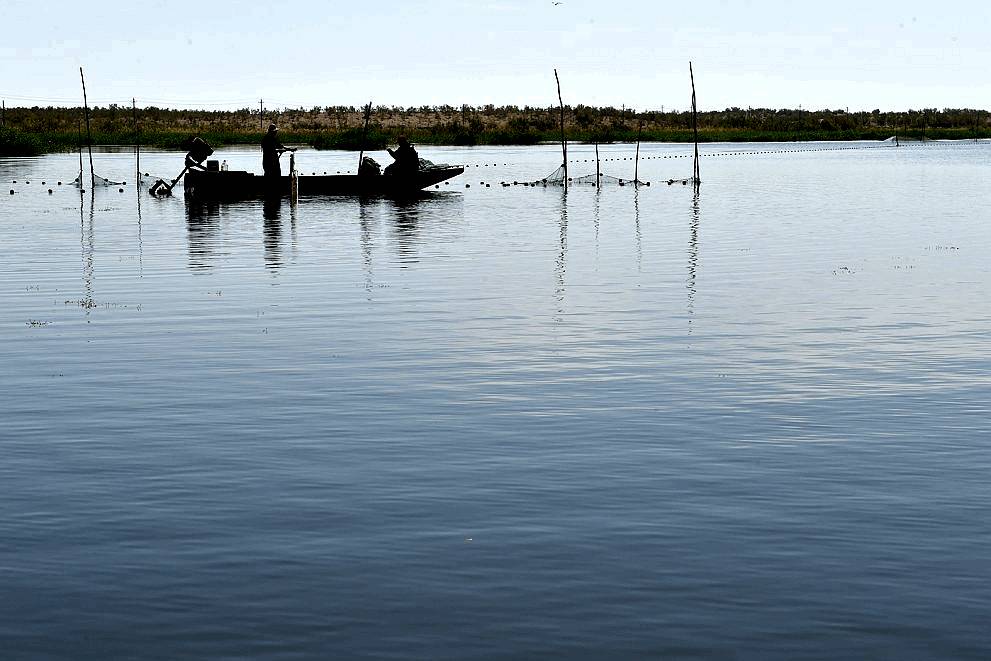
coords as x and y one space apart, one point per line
213 182
238 185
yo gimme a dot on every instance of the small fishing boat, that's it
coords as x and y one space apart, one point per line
236 185
211 182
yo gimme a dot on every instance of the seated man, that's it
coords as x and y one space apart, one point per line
407 160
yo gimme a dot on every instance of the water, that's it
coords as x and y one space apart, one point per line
502 422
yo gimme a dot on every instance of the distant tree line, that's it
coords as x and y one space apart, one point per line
37 129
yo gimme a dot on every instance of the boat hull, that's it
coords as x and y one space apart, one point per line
236 185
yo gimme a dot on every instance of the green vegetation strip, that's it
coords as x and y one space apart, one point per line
32 131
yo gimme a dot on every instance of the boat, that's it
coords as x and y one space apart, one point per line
211 182
237 185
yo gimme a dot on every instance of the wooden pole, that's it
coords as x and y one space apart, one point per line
636 160
137 145
3 113
695 128
293 180
89 137
364 133
564 144
261 114
597 175
79 141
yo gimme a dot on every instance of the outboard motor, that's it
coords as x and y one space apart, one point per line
197 152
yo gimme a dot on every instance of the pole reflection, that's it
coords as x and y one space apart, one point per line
693 254
87 240
561 263
638 234
366 238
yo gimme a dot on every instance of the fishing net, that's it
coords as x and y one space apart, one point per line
426 166
557 178
83 180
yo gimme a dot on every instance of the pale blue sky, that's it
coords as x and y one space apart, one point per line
834 54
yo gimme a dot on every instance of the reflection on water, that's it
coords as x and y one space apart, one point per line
202 233
404 219
366 231
406 216
693 254
596 213
272 231
87 238
636 226
561 263
141 247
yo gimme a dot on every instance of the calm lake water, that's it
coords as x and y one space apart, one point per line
503 422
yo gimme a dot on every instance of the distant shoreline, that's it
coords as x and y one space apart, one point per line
30 131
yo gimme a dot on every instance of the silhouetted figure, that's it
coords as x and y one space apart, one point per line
271 150
407 160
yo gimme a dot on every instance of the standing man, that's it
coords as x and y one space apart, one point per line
271 150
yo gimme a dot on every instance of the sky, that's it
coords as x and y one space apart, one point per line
634 53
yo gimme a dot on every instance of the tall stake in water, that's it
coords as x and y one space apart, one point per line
89 138
564 145
597 174
695 128
293 181
137 143
636 160
364 132
79 144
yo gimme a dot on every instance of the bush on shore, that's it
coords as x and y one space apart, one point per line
19 143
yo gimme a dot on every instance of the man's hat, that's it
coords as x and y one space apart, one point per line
273 127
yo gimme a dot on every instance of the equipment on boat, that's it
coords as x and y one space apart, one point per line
198 152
